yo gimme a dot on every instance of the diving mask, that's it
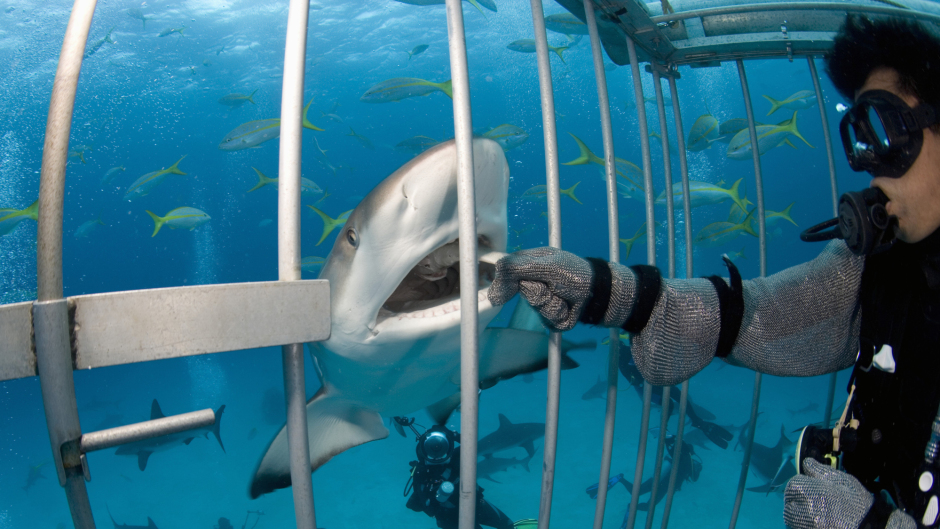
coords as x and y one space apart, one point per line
881 134
863 222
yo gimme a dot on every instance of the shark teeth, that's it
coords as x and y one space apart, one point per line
436 311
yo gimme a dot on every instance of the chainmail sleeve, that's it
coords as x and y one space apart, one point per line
802 321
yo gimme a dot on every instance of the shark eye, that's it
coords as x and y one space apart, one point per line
352 237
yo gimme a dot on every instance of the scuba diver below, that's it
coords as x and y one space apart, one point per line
435 477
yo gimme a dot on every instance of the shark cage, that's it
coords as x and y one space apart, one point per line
54 335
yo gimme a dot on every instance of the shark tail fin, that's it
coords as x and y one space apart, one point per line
218 424
334 425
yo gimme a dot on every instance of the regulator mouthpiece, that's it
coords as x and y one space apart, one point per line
863 223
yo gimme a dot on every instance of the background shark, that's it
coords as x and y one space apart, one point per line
395 305
143 449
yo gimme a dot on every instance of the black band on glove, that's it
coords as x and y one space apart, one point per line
731 308
878 513
648 283
597 305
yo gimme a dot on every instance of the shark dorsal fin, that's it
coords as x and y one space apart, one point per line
155 411
504 422
142 458
150 524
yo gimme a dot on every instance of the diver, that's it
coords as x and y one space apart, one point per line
435 478
870 299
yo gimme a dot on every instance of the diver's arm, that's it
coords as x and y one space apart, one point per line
802 321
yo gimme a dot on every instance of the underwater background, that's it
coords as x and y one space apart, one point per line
145 101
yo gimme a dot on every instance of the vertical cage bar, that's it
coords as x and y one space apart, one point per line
466 210
755 402
687 214
830 394
50 312
613 228
288 255
651 259
553 393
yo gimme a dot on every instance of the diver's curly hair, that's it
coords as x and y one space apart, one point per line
906 46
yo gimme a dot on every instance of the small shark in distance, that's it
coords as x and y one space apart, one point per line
394 344
490 465
689 470
773 463
150 524
510 435
35 474
144 448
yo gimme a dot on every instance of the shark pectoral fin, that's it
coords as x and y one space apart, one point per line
440 411
187 441
529 448
334 425
142 458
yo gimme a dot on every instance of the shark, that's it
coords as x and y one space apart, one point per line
490 465
689 470
35 474
394 345
150 524
143 449
511 435
773 463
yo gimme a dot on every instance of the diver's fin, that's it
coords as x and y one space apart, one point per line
440 411
333 426
715 433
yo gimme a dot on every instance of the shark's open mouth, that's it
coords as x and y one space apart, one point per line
432 287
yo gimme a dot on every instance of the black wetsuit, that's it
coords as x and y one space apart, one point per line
900 299
427 479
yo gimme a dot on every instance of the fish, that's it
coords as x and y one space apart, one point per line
626 170
180 218
773 464
312 264
490 465
394 344
110 174
592 490
144 448
265 223
540 192
150 524
673 150
416 144
528 46
34 475
366 142
640 233
704 194
135 12
735 256
87 227
689 470
511 435
417 50
667 101
507 136
703 133
237 100
566 23
334 117
399 88
797 101
254 133
99 43
170 31
10 218
145 184
329 223
308 187
729 128
768 137
719 233
596 391
80 152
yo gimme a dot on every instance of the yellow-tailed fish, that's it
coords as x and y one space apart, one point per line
624 168
703 194
416 144
719 233
729 128
798 101
312 263
237 100
112 172
79 152
329 223
87 227
254 133
667 101
640 233
528 46
737 213
400 88
366 142
94 47
507 136
170 31
10 217
146 183
772 217
623 336
180 218
135 12
417 50
307 187
703 133
768 137
540 192
734 256
565 23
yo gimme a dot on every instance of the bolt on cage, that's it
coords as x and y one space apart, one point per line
53 336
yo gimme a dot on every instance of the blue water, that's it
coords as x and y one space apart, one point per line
145 101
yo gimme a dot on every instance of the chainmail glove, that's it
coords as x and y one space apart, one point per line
825 498
556 283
